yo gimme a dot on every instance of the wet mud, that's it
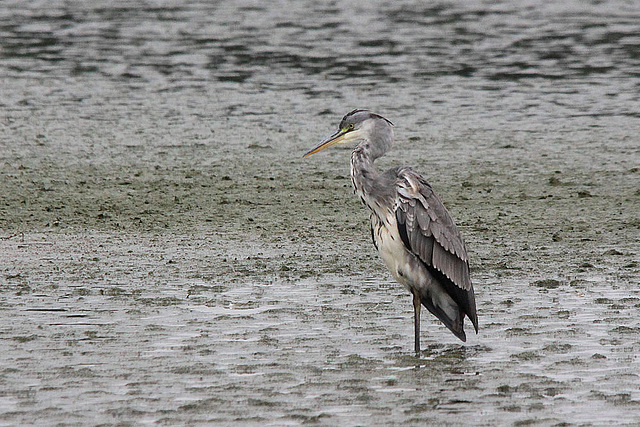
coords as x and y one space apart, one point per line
167 256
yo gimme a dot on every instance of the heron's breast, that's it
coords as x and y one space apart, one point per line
392 250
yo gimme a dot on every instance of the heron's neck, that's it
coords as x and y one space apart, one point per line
363 172
364 175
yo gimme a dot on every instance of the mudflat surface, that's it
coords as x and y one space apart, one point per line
167 257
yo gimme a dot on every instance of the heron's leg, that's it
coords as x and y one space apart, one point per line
416 320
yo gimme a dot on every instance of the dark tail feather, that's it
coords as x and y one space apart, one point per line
472 313
464 299
454 325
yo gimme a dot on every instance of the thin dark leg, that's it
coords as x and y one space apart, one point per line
416 320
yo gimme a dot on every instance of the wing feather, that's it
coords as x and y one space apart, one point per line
429 232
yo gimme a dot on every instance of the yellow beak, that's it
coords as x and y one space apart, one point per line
337 137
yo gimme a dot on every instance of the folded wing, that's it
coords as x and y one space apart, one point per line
428 231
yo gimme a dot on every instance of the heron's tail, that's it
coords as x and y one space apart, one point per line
449 314
449 303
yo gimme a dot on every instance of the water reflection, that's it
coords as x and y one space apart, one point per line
399 43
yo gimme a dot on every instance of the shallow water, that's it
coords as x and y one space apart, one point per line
168 258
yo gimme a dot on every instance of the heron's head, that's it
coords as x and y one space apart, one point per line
357 125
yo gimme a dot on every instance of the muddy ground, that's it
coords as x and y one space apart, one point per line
160 273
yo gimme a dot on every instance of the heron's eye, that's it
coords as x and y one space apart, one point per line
350 126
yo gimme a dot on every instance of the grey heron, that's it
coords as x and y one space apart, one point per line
410 227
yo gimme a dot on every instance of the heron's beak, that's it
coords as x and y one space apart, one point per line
338 136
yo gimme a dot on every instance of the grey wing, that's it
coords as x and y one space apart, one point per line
428 231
